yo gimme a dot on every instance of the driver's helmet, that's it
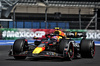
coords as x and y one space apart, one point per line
57 32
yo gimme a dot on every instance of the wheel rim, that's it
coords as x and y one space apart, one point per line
71 51
93 50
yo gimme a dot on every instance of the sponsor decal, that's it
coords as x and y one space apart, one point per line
93 35
13 34
19 34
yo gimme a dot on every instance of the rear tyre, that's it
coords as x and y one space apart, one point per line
87 48
19 46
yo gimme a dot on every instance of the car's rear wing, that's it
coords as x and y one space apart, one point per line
75 34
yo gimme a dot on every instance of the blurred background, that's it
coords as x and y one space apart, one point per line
66 14
35 18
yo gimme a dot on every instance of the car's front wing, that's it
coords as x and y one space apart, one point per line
42 54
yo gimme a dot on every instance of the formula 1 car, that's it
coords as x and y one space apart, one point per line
65 48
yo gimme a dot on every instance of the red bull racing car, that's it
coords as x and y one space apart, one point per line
50 46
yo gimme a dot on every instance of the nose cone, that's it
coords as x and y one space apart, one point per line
38 50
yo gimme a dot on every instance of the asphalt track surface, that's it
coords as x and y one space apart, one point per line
5 60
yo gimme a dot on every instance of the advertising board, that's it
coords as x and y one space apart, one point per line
12 34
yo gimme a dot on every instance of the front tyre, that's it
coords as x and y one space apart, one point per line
67 49
19 46
70 53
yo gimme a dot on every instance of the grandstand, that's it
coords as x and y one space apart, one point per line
67 14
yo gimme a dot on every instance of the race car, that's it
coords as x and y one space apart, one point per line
65 48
